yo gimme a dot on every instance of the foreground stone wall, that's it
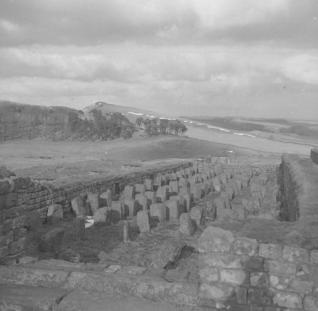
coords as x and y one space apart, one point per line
238 273
24 203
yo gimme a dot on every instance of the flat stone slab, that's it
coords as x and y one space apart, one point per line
83 301
19 297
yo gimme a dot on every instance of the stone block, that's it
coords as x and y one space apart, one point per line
132 207
158 210
288 300
55 213
215 239
169 252
140 188
174 209
259 279
162 194
93 201
233 276
314 256
259 296
280 282
222 260
143 221
187 201
294 254
314 155
106 198
100 215
280 268
209 275
197 215
52 240
270 251
151 196
78 206
142 201
301 286
245 246
310 303
197 191
187 225
216 184
216 292
117 207
173 186
148 184
129 192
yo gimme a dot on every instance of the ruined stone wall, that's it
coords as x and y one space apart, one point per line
238 273
23 202
290 182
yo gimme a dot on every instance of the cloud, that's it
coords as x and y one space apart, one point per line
94 22
302 68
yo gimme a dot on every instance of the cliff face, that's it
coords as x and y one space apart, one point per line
27 122
19 121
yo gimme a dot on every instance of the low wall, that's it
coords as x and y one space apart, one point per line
238 273
23 200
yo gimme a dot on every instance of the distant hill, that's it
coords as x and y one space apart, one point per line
21 121
130 113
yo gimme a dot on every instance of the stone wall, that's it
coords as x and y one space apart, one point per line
290 182
314 155
238 273
24 202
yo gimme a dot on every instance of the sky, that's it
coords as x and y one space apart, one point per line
255 58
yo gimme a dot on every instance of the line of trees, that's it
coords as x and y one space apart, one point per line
158 126
102 126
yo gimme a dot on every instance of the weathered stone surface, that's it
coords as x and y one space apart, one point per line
132 207
310 303
209 275
277 267
32 277
294 254
107 196
52 240
215 239
221 260
140 188
148 184
188 200
162 193
55 213
174 210
272 251
21 297
158 210
129 192
142 201
143 221
259 279
314 155
216 292
117 207
168 252
100 215
173 186
233 276
78 206
93 201
151 196
245 246
187 225
197 214
287 300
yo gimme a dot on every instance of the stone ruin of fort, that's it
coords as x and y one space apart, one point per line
209 234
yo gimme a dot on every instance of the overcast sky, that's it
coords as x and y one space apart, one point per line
201 57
